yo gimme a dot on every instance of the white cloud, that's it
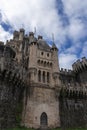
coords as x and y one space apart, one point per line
84 50
33 13
66 60
74 48
29 14
4 35
76 29
43 15
75 8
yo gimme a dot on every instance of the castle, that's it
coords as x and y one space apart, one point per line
51 97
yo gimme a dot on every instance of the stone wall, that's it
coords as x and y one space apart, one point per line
73 112
41 100
10 103
11 88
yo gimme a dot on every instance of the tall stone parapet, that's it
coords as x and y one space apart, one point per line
66 71
80 70
16 35
21 34
80 65
54 50
1 43
12 84
67 77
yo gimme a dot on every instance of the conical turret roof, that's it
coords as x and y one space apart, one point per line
54 46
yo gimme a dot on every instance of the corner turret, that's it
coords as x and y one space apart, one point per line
54 47
32 57
21 34
54 50
16 35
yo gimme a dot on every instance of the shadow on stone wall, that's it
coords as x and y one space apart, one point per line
73 112
10 104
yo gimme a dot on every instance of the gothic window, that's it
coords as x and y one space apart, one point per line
44 76
39 62
48 64
39 76
44 63
48 77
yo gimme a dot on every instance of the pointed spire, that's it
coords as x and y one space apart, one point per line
35 30
54 46
53 37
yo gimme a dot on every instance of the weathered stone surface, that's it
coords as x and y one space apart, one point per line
42 100
73 112
9 100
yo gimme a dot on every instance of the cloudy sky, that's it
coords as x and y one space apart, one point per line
66 19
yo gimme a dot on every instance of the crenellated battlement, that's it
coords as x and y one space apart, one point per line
10 69
1 43
74 92
66 71
12 72
79 65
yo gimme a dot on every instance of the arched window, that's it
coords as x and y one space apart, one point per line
39 76
50 64
47 64
42 53
38 62
43 119
44 76
48 77
44 63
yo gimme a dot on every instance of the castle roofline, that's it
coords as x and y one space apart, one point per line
66 71
43 45
54 47
79 65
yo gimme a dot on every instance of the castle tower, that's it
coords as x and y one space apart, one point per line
32 57
55 58
41 107
21 34
55 65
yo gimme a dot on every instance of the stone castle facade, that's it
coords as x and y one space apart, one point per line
29 68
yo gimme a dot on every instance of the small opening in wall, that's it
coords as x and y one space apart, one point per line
42 53
50 64
44 76
47 54
48 77
39 76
